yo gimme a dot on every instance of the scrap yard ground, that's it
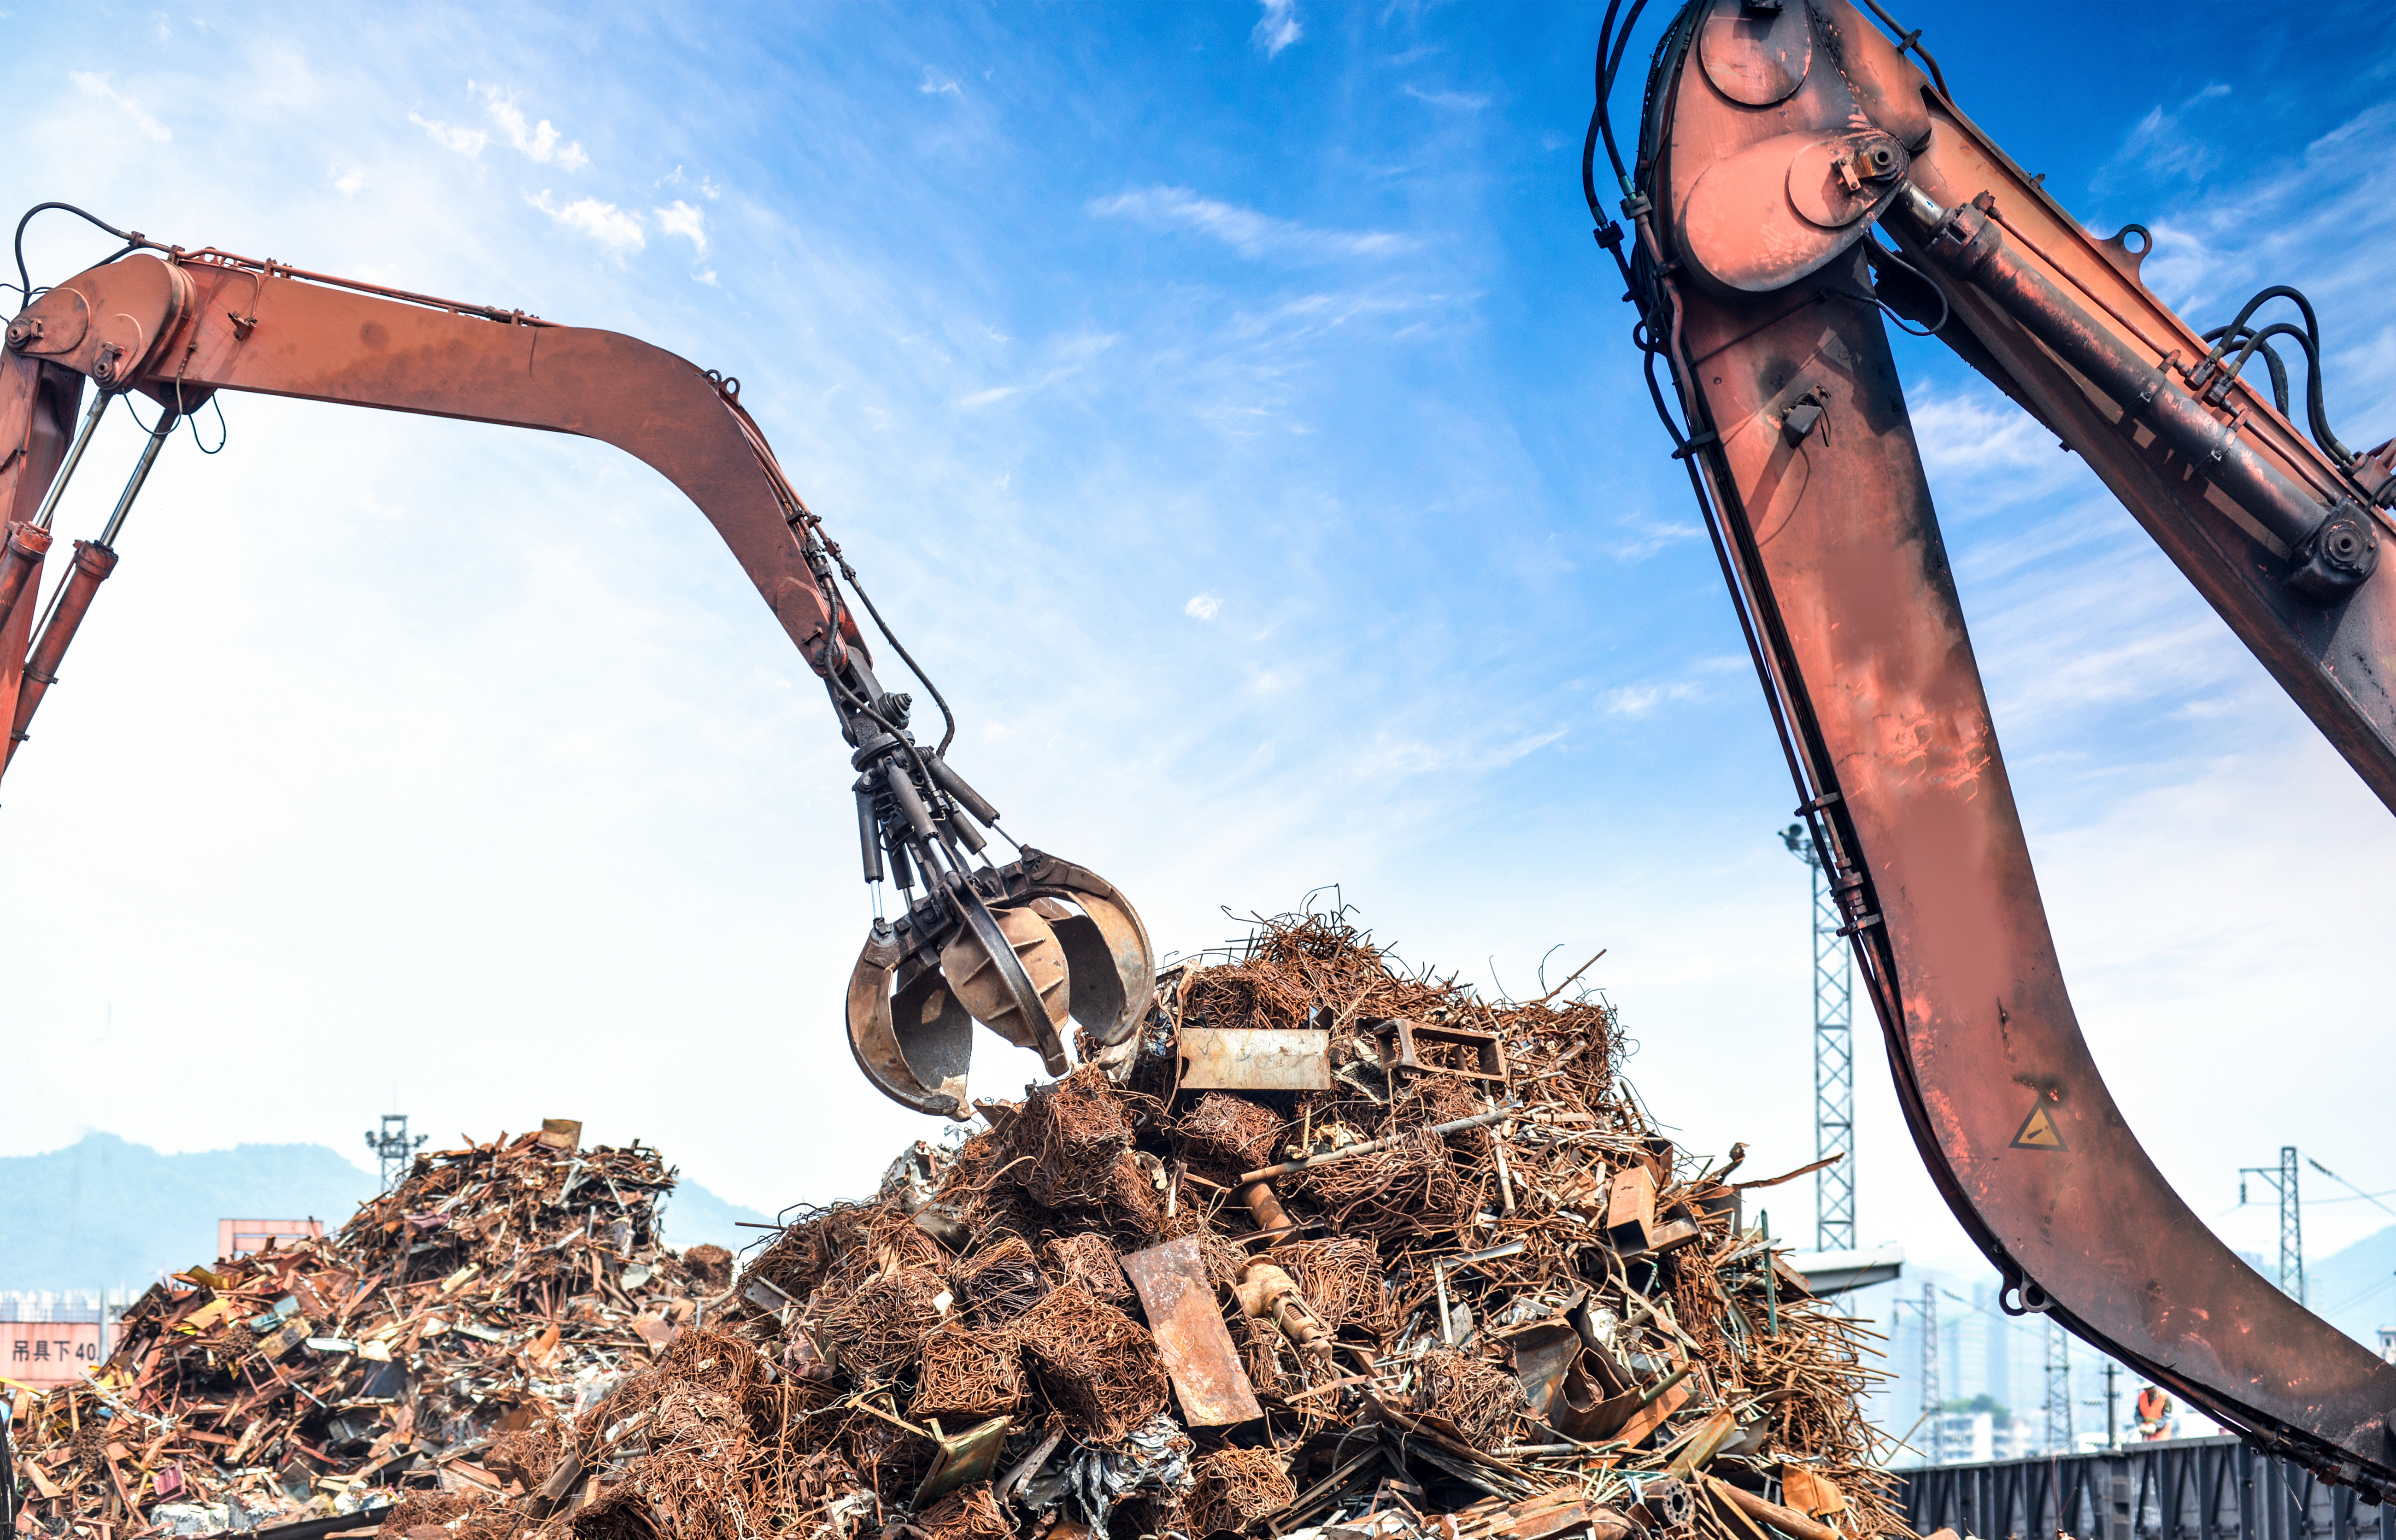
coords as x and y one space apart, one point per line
1460 1285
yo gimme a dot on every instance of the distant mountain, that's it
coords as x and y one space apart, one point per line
2355 1289
105 1213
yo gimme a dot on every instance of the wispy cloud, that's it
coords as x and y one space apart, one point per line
1639 700
1203 607
468 143
686 221
538 141
704 186
613 228
95 85
2163 143
1277 28
1645 535
1244 229
935 83
1466 101
1069 358
1390 755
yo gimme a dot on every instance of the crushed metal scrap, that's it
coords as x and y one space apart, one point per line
1424 1271
493 1294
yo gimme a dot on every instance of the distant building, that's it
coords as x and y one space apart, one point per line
241 1236
49 1339
1979 1429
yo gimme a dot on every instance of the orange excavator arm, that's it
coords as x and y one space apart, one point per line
1019 946
1774 139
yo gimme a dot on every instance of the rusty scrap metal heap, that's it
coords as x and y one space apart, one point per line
1458 1285
1325 1248
497 1290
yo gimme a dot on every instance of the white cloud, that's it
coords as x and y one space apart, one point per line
1389 755
686 221
705 187
1649 535
539 142
1277 28
618 230
1465 101
468 143
2164 144
1639 700
1071 357
95 85
937 83
347 184
1244 230
1203 607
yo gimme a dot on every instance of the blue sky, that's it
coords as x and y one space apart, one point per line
1230 406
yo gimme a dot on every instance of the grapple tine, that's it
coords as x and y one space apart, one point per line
1114 970
874 1045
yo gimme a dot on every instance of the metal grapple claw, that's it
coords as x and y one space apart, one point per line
1021 948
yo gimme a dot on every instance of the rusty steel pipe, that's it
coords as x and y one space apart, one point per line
1787 1520
1264 1204
2335 548
93 563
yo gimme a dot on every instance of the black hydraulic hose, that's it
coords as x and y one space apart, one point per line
2316 408
2270 361
922 678
1621 45
25 280
1611 45
1588 164
1600 121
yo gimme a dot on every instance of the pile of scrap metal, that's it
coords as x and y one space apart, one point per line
494 1291
1328 1249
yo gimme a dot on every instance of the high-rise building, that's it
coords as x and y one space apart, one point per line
1996 1347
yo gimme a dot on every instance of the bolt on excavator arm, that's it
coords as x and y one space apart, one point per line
1773 138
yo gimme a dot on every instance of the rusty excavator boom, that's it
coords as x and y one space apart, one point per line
1775 138
1026 946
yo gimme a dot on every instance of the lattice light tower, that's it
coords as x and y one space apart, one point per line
1834 1058
2292 1226
394 1147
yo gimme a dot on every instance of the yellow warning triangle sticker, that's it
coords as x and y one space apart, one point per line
2038 1132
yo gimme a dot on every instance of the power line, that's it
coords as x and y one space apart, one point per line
2358 1197
2371 1197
